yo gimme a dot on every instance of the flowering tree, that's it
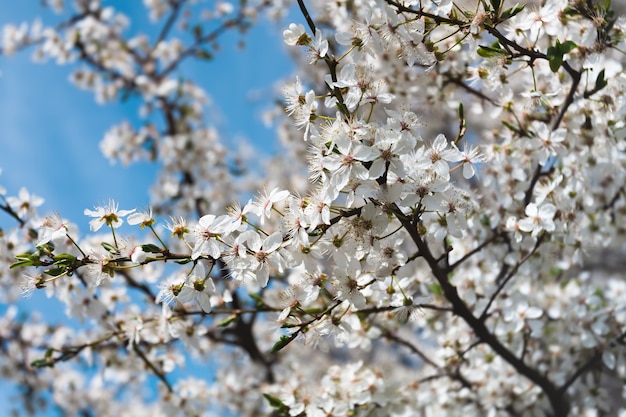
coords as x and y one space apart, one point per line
440 234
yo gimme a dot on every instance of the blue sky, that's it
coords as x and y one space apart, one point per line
50 130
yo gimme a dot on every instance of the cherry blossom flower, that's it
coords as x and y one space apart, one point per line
296 35
539 218
437 156
207 233
266 201
143 219
109 215
198 288
25 203
52 228
266 255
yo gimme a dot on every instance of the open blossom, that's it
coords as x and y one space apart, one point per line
266 255
265 202
53 227
143 219
471 156
109 215
207 233
547 143
539 218
296 35
198 288
302 107
437 156
25 203
318 48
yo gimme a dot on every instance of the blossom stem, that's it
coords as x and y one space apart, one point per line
76 244
114 238
158 238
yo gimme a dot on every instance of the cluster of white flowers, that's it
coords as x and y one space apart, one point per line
463 162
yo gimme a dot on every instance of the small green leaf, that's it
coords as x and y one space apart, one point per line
555 57
495 5
276 403
204 54
284 341
435 289
42 363
55 272
556 52
228 320
566 47
26 259
109 248
509 13
257 298
151 248
64 258
21 263
490 52
600 81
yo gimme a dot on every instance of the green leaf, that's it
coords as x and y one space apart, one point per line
64 258
491 51
276 403
42 363
204 54
601 82
495 5
56 271
556 52
26 259
110 248
510 126
566 47
435 289
509 13
228 320
151 248
257 298
284 341
555 58
21 263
